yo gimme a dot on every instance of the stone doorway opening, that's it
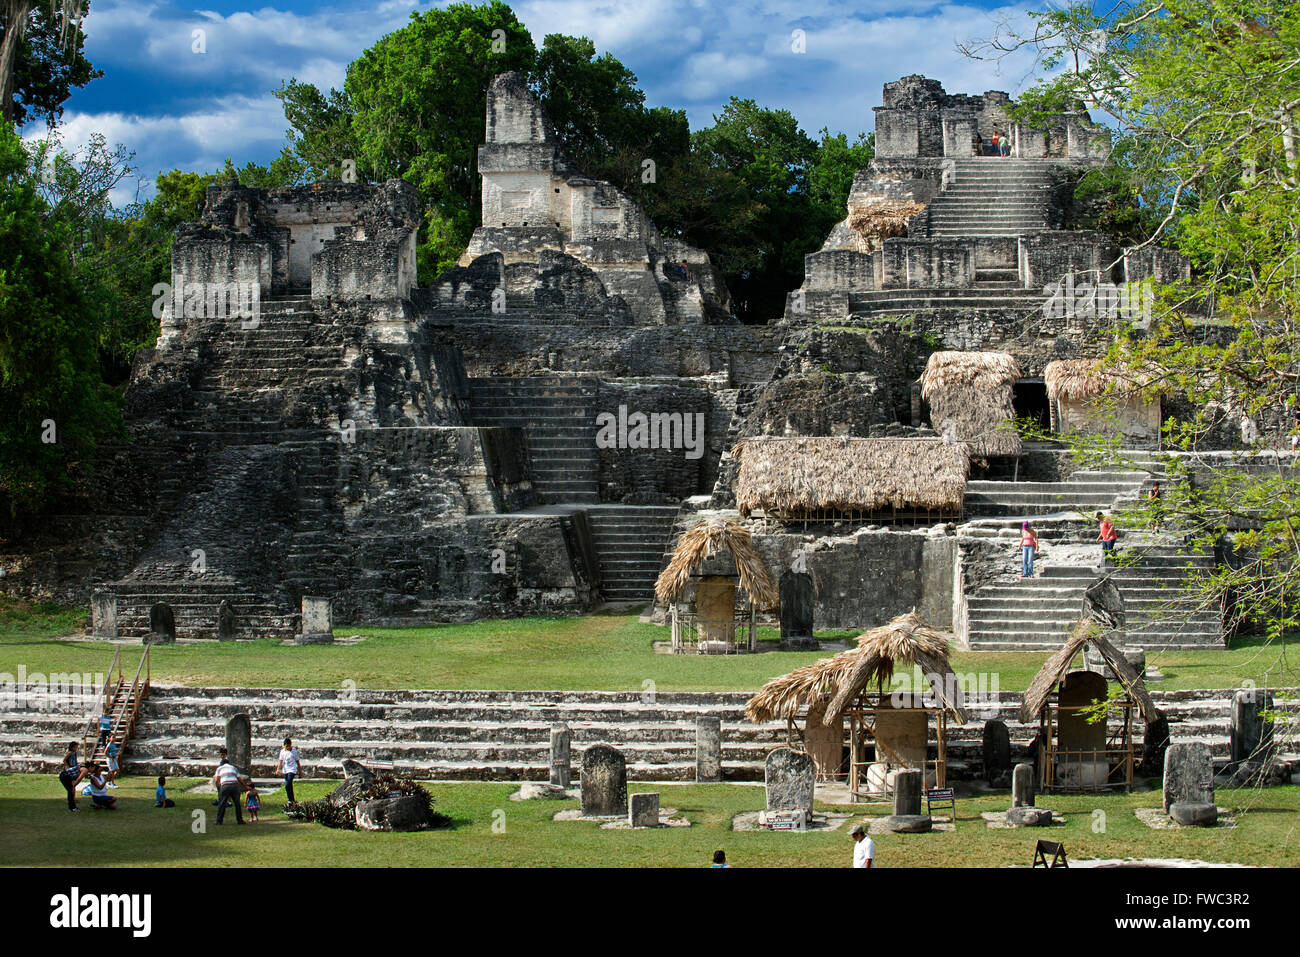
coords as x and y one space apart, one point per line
1029 400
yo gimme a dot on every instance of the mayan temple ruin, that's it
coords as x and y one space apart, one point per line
529 431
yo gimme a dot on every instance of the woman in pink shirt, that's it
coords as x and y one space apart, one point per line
1106 536
1028 546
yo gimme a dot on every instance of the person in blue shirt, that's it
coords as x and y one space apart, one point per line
113 767
105 727
720 859
160 798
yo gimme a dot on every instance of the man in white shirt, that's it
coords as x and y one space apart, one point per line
288 766
864 849
229 789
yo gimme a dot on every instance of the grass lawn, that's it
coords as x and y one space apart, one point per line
599 652
39 831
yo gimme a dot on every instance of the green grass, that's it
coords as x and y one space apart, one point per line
600 652
39 831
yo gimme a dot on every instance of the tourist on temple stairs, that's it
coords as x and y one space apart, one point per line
1028 548
1107 535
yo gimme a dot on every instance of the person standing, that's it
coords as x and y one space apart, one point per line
105 727
229 789
1004 145
288 766
113 767
1028 547
1157 507
1107 536
71 774
864 849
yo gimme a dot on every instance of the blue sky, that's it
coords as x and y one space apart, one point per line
179 109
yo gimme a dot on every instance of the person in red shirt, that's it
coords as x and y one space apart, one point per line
1107 537
1028 546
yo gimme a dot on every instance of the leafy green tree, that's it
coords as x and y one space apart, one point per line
1206 95
417 100
41 58
53 403
775 195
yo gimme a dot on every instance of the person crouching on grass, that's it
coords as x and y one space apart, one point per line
1028 548
99 796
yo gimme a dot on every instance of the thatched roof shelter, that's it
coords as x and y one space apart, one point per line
882 219
700 542
1077 380
830 685
970 396
794 474
1058 666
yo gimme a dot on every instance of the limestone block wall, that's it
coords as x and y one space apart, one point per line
926 263
349 269
1048 257
1153 262
680 421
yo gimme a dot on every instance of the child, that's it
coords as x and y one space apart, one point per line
160 798
105 727
252 804
112 763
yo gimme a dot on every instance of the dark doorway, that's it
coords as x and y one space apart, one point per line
1029 399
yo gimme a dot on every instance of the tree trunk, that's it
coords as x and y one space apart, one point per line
15 16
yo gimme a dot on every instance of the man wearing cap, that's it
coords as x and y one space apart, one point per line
864 848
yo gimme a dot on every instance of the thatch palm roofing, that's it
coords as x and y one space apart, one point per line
1057 666
833 683
1077 380
799 473
970 395
882 219
704 539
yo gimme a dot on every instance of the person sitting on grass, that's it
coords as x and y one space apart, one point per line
720 859
160 798
252 803
99 796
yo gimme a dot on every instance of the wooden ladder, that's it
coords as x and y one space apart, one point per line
120 700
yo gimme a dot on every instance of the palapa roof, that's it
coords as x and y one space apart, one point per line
704 539
883 219
1058 666
970 395
833 683
795 473
1076 380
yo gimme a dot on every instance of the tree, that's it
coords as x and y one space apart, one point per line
41 58
53 403
417 101
774 194
1205 94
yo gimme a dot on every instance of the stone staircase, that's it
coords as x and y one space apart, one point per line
1086 491
630 542
194 600
558 416
499 735
1038 613
985 295
993 196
